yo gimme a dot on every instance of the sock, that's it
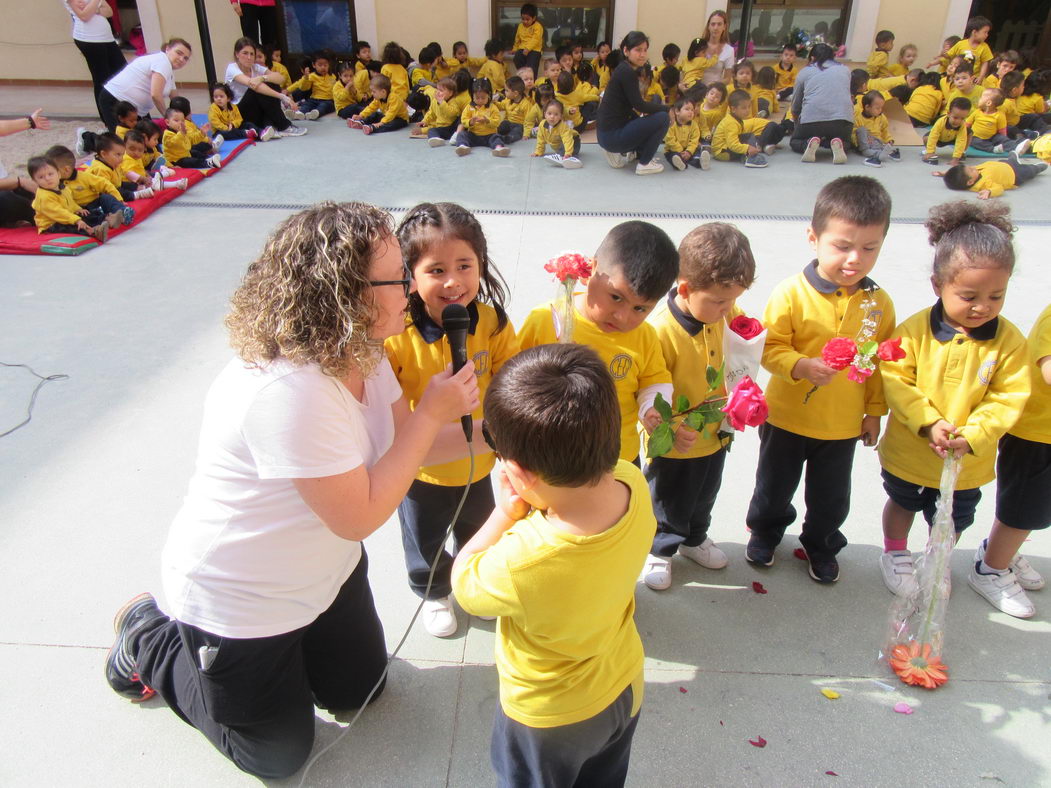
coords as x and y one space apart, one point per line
984 569
895 545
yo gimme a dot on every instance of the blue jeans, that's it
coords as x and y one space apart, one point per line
323 106
641 136
472 140
106 203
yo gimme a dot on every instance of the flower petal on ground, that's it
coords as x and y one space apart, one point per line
903 708
758 587
758 741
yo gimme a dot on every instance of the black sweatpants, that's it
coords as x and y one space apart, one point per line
104 60
255 700
593 752
1025 172
262 110
531 58
825 130
782 455
683 493
259 23
425 514
16 205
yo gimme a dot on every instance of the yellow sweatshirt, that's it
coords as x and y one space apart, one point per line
420 352
399 79
786 78
1031 104
693 69
495 72
924 104
726 138
131 164
534 117
996 176
942 133
682 137
1035 422
977 382
103 170
982 54
803 313
344 95
176 145
877 64
878 126
529 38
561 138
51 207
582 94
86 187
985 124
489 115
224 119
320 87
393 107
440 114
516 111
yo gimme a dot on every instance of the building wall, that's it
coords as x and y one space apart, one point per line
414 24
45 49
926 32
670 22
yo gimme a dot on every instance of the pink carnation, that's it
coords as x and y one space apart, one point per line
569 265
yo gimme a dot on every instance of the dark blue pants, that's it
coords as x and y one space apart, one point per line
530 58
782 455
683 493
445 132
323 106
240 133
255 701
472 140
641 136
511 132
425 514
106 203
593 752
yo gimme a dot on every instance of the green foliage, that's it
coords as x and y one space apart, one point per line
697 417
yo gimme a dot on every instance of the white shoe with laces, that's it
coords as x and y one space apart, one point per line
1027 577
707 554
656 574
438 617
1002 591
899 572
268 134
572 163
652 168
615 160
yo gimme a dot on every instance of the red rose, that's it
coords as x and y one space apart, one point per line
838 352
746 405
890 350
746 327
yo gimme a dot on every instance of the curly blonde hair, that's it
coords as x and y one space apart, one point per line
307 298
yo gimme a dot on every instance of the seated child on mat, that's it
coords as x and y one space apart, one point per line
558 562
683 140
90 191
479 121
109 155
178 147
133 166
872 131
225 117
55 210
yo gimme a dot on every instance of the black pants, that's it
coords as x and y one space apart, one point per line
472 140
693 161
16 205
782 455
262 110
1025 172
445 132
378 128
511 132
259 23
683 493
771 134
1040 122
425 513
104 60
255 702
530 58
825 130
593 752
240 133
641 136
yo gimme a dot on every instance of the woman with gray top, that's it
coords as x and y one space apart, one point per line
822 107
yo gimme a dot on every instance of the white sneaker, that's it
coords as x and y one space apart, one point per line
899 573
678 163
769 150
217 141
706 160
289 113
1022 149
839 156
810 154
292 131
215 160
998 148
707 554
629 157
1003 592
143 194
312 115
78 144
572 163
158 181
436 142
268 134
657 572
554 158
463 150
649 169
297 115
615 160
502 151
1027 577
438 617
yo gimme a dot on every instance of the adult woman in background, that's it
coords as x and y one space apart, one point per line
717 34
822 106
307 446
93 36
147 82
622 134
258 20
17 191
257 91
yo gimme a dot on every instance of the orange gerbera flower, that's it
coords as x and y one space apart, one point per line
914 665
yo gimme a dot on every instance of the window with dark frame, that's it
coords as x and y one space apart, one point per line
802 22
585 22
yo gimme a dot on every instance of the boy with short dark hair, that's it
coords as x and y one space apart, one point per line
54 209
715 267
635 265
877 64
493 68
529 39
89 191
832 297
557 561
992 178
740 137
950 129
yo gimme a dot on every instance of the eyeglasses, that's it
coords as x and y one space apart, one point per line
406 283
488 438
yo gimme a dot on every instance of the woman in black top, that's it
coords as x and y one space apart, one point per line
620 130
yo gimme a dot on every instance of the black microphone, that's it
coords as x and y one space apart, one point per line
457 323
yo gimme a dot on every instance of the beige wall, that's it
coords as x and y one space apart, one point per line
670 22
912 22
414 24
46 49
178 19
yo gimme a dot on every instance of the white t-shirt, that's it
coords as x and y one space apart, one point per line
239 89
95 31
132 83
246 557
725 62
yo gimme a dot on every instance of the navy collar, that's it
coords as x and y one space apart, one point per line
432 332
822 285
689 323
943 332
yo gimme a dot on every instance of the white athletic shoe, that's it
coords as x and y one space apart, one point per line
292 131
436 142
217 141
1027 577
554 158
312 115
656 574
706 159
615 160
839 156
899 573
810 154
215 160
268 134
1002 592
649 169
707 554
572 163
502 151
438 617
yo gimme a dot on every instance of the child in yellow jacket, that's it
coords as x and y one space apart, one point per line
318 82
961 384
89 191
225 118
949 129
386 112
988 124
55 210
992 178
878 62
562 137
178 147
579 100
529 40
515 105
683 141
493 68
442 117
872 131
479 122
740 137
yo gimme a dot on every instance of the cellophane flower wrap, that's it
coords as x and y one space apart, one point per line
743 344
916 624
568 268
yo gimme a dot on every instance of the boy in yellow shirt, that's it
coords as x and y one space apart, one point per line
786 70
494 69
740 137
950 129
877 64
318 82
558 561
832 297
715 267
529 40
988 124
178 146
635 266
683 140
386 112
974 45
872 131
515 106
442 118
579 100
55 210
89 191
992 178
109 155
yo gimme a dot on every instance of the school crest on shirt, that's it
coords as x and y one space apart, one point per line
481 363
985 371
620 366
